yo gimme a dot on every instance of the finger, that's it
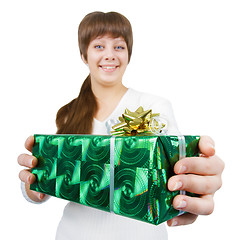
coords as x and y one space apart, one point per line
27 160
195 183
184 219
199 165
29 143
27 177
203 205
206 146
36 196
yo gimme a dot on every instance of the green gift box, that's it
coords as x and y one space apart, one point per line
120 174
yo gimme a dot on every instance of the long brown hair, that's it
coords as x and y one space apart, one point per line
77 116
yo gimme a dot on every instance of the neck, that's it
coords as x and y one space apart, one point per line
108 94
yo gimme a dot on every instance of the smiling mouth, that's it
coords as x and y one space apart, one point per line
108 68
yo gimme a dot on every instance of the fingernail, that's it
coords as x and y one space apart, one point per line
31 162
28 179
211 146
174 223
177 186
182 169
41 196
182 204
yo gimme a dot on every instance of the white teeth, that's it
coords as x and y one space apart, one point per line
108 67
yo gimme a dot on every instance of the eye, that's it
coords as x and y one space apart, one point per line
99 47
119 48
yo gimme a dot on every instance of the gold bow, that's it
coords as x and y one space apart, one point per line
136 123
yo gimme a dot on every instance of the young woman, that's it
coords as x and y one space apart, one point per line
105 42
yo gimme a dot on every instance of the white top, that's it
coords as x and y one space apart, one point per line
87 223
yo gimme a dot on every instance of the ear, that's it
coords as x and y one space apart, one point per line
83 58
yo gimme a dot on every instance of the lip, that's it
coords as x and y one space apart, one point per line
108 68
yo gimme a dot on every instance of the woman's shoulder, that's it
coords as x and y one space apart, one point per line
134 99
147 99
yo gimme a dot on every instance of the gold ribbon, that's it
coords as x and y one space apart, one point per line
135 123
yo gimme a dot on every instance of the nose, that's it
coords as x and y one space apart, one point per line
109 55
107 58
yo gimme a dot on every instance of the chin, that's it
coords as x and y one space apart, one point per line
109 82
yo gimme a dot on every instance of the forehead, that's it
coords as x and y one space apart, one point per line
109 38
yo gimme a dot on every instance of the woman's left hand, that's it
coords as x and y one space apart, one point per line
200 175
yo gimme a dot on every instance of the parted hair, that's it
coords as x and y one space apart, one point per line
76 117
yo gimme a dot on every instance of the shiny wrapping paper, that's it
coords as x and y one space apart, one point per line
78 168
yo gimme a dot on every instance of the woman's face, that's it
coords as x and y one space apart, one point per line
107 59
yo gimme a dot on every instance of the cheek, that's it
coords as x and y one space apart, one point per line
91 56
124 61
124 58
93 60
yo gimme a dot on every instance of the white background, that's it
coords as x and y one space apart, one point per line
186 51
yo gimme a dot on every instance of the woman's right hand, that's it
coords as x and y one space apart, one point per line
25 175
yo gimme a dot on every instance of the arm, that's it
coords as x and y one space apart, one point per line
26 176
200 175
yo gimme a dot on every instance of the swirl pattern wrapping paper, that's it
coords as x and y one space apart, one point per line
77 168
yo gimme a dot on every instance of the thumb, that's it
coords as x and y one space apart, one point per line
206 146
